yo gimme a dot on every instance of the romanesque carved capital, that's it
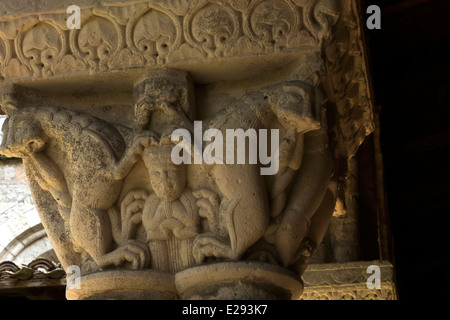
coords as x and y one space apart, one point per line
199 163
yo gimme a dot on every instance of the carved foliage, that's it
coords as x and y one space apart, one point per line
41 48
273 22
141 34
213 28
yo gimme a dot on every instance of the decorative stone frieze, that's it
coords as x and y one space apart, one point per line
348 281
117 35
97 112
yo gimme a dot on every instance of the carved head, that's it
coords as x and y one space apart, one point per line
167 179
22 135
294 105
168 91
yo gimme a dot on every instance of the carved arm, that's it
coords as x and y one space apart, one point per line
132 155
306 196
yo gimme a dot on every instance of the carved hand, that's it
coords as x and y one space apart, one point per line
141 140
131 212
208 202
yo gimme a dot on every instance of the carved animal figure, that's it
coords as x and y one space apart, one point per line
300 217
80 160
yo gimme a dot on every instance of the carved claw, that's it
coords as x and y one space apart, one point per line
131 208
208 245
135 252
208 202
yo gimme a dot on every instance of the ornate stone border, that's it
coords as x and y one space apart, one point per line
152 33
348 281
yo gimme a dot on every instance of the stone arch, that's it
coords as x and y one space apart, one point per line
29 245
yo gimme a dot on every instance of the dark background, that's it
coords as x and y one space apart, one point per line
410 66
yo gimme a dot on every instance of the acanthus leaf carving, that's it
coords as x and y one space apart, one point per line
43 47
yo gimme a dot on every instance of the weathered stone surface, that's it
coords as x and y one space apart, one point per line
348 281
93 112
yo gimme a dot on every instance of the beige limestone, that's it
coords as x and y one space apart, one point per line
348 281
91 113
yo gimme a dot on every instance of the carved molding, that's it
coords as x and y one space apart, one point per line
350 292
154 33
348 281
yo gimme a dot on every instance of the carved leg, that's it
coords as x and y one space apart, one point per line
91 231
247 223
307 194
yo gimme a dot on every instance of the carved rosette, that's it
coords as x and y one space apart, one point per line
113 201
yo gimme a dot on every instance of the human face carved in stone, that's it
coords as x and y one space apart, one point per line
41 46
167 179
163 97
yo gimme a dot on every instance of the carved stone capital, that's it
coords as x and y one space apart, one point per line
130 132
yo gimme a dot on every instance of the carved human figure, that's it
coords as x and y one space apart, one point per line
300 219
164 101
296 114
295 108
84 180
170 215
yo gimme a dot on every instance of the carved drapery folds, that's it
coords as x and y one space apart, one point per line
107 188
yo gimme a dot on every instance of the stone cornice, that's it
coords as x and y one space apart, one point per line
35 41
